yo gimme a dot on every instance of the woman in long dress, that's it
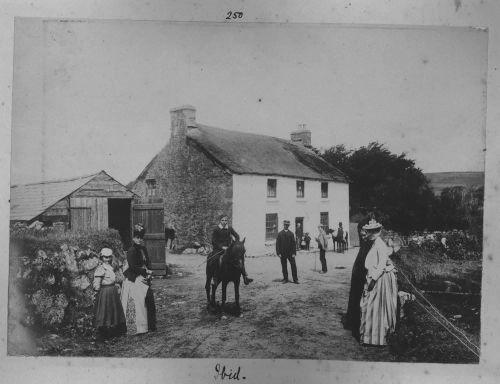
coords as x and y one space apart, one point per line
109 318
352 318
380 295
137 296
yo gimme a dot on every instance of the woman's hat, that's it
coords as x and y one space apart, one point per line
139 230
372 225
106 252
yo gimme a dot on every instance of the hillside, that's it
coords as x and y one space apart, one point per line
442 180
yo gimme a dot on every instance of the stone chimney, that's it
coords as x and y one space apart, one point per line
182 118
301 136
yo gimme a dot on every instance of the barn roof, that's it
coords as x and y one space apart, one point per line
248 153
27 201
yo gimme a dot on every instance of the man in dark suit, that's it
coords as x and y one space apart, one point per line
286 250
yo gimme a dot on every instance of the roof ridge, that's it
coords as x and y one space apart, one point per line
243 132
58 180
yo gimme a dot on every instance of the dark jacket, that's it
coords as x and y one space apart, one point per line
169 233
285 243
138 261
221 237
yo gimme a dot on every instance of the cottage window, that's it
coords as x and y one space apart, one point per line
324 190
271 226
150 187
300 188
323 220
271 187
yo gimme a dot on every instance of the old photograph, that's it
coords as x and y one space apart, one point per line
248 191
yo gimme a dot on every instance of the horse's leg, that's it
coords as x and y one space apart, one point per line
224 292
210 274
207 288
212 299
237 294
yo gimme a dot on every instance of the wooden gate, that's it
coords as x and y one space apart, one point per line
151 216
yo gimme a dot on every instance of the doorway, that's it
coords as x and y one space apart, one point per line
299 231
119 219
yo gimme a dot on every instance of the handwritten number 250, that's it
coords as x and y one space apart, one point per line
234 15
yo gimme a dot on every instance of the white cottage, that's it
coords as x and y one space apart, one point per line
257 180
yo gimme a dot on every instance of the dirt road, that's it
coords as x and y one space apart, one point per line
283 321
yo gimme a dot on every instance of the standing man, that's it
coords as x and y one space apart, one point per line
322 245
169 235
286 250
222 237
340 238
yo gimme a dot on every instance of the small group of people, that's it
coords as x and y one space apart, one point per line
286 249
372 308
340 238
114 313
302 240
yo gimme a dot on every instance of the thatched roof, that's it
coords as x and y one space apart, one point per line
248 153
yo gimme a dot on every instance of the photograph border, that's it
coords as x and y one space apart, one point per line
418 14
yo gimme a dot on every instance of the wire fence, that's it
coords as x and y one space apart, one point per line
457 333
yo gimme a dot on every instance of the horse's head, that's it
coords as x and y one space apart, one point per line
236 253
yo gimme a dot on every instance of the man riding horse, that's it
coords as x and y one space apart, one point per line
222 237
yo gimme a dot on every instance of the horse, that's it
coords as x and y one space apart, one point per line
340 241
229 270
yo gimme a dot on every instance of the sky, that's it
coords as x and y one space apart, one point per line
91 95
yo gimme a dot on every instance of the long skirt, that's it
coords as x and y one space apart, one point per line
109 317
133 300
358 277
378 310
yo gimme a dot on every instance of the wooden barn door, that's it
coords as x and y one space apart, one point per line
151 215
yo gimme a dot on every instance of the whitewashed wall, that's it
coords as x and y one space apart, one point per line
251 204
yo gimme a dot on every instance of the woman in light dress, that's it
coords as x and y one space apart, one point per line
380 295
137 296
109 318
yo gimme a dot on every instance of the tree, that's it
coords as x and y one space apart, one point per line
339 156
389 185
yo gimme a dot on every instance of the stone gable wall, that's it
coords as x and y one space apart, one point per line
194 189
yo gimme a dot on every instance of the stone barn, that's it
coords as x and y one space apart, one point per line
95 201
257 180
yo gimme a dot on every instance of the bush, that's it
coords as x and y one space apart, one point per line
54 272
461 245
